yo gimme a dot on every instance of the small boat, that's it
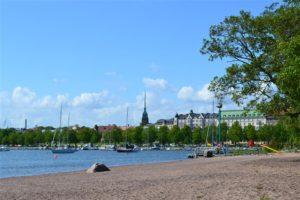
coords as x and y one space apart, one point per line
155 148
128 149
110 147
202 151
61 150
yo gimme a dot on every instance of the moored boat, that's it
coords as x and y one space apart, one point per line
128 149
61 150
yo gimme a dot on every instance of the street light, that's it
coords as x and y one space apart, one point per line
219 118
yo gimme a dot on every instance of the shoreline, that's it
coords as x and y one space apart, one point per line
128 165
83 170
275 176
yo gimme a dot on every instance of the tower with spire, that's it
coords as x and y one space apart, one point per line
145 119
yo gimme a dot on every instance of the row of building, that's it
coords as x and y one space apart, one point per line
201 120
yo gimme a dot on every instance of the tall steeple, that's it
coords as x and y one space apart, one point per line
145 119
145 99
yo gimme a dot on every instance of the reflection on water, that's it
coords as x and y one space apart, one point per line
26 163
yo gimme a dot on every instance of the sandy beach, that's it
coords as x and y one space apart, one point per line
241 177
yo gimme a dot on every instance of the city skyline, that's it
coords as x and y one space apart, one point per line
98 58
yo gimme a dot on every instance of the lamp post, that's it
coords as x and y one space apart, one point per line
219 119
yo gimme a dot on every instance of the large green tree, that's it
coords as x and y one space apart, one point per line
264 52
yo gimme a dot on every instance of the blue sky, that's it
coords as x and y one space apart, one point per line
98 57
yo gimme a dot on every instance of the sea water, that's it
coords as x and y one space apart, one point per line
35 162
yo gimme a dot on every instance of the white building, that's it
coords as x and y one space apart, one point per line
245 118
191 119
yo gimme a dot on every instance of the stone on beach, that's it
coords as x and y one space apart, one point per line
97 167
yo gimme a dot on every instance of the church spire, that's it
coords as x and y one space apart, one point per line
145 119
145 99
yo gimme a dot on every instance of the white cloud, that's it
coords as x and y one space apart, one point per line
204 94
109 111
46 101
24 103
188 93
22 95
90 99
155 83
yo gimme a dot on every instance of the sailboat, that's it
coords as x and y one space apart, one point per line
60 149
128 147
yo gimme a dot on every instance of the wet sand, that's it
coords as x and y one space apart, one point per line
241 177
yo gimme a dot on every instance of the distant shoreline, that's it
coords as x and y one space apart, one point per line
275 176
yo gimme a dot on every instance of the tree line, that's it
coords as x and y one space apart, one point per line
283 134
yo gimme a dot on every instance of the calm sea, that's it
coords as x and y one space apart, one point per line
26 163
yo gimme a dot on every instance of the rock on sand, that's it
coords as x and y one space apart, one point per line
97 167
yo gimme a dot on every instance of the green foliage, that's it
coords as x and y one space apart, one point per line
224 130
130 132
137 137
163 134
265 54
176 135
187 134
29 138
152 134
48 137
107 137
72 136
116 135
235 133
265 133
84 135
197 136
95 138
250 132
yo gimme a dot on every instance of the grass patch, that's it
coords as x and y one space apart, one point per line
265 198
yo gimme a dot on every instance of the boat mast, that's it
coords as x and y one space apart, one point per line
68 128
211 123
60 118
127 125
